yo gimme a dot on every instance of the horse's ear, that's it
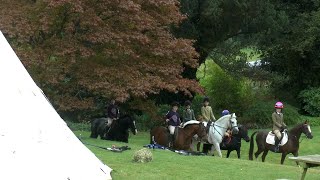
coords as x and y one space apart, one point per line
306 121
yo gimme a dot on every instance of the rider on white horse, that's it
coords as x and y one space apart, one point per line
206 111
278 124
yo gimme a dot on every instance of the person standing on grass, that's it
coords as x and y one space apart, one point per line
188 113
206 111
173 120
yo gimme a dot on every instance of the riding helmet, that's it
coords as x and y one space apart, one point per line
187 103
225 112
278 105
175 103
206 99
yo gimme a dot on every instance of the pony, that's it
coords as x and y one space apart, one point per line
235 143
217 130
118 130
183 135
292 146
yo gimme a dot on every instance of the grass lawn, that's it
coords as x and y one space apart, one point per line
169 165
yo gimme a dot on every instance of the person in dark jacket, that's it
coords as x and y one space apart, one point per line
112 112
173 120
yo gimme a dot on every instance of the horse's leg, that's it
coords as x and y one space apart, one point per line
238 152
193 143
283 157
94 133
217 147
228 153
295 154
259 151
265 152
198 146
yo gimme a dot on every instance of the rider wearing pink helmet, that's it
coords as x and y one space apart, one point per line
278 124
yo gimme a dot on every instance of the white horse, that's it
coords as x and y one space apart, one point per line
217 130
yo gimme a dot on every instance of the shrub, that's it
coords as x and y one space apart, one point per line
311 101
313 121
260 114
142 156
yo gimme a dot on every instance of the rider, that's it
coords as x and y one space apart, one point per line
228 133
278 124
188 113
173 120
112 112
206 110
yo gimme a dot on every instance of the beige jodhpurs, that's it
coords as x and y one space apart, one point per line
171 129
277 133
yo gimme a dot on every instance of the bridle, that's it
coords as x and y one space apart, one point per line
230 122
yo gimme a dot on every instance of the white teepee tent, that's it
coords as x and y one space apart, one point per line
35 143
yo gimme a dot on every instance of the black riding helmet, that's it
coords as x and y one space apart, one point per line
175 103
187 103
206 99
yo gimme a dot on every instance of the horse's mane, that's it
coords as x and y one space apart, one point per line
296 128
125 116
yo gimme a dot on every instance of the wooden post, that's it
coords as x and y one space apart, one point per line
304 173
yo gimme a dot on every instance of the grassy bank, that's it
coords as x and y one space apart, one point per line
169 165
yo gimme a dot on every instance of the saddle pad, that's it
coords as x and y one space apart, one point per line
190 122
271 136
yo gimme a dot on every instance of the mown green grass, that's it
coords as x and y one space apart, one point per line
169 165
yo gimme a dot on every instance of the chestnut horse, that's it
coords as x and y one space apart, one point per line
292 146
183 136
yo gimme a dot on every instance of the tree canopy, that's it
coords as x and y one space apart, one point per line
80 49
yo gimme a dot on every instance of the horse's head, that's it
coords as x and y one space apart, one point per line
233 123
202 133
130 122
243 132
307 130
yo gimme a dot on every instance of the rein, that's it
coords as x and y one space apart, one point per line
214 124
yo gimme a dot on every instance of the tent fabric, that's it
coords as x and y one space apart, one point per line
35 143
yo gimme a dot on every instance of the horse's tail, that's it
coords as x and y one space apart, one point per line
251 146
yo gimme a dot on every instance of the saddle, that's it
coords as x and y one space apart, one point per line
111 126
271 138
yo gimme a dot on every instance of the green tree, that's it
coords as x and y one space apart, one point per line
226 91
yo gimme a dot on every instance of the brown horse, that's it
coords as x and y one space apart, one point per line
292 146
183 136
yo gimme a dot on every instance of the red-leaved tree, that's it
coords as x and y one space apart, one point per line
80 49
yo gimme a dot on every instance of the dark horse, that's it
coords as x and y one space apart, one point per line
234 144
117 132
183 136
292 146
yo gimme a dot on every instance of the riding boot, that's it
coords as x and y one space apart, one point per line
276 145
171 140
